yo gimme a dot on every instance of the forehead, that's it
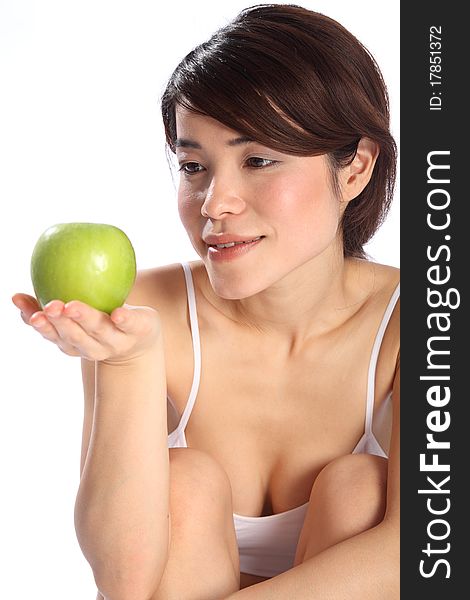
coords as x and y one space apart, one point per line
193 126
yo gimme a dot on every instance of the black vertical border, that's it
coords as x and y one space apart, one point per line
422 131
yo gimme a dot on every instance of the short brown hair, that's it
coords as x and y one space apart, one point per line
298 82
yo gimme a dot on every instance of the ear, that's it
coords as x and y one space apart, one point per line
356 175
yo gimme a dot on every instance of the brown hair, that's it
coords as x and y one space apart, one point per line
298 82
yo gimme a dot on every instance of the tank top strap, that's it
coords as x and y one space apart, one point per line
374 357
196 346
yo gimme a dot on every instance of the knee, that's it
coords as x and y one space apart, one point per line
352 491
198 483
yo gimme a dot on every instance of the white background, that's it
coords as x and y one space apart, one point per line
81 139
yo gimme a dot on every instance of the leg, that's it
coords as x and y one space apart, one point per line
203 562
348 497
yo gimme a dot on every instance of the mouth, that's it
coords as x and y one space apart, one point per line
232 250
231 244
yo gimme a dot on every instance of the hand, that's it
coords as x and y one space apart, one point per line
80 330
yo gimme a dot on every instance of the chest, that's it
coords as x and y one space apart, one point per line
273 423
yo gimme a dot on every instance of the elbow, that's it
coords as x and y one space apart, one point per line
124 595
126 578
122 574
118 586
127 562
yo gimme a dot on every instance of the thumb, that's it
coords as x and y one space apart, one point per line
123 318
26 303
128 317
140 320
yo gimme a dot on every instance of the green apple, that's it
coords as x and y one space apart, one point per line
91 262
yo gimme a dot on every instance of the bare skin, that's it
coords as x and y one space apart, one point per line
283 399
290 394
286 331
287 400
295 306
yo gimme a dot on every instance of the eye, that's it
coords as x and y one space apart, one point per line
265 162
190 168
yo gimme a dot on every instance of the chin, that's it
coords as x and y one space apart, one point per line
233 286
232 290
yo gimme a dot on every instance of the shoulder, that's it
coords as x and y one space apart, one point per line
380 311
386 276
159 287
375 283
383 284
388 297
388 286
388 281
163 288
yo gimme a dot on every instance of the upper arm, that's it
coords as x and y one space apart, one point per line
393 485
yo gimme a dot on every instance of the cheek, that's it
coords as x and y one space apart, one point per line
305 210
187 209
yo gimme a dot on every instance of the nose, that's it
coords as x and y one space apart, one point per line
223 197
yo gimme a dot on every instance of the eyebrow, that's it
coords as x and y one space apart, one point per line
185 143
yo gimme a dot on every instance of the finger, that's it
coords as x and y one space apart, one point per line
72 344
95 323
69 332
25 318
54 309
75 335
27 304
126 318
23 300
41 324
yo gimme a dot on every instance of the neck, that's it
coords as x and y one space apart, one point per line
311 300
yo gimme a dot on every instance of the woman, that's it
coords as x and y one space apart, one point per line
242 411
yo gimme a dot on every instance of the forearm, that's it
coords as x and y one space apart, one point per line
122 506
365 567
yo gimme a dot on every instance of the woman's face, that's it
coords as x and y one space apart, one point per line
240 189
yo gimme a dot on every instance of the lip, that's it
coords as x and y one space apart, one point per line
232 253
227 238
